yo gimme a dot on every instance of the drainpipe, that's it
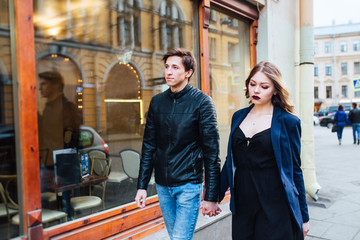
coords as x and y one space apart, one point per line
307 97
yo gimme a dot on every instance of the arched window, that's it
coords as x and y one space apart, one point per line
128 23
171 26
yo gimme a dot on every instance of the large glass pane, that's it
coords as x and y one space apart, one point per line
8 184
229 66
98 65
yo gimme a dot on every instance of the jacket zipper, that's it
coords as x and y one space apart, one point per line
169 137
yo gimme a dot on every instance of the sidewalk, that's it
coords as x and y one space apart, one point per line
336 215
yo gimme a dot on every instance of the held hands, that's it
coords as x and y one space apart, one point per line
210 208
141 198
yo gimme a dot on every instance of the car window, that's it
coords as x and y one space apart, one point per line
86 139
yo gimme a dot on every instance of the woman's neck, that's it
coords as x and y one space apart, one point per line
262 109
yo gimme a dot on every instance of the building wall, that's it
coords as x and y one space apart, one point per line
336 35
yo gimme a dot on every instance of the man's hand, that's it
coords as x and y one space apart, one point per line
210 208
305 228
141 198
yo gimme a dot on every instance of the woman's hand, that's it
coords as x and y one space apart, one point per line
305 228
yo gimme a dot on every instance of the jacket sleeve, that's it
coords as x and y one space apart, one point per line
148 150
295 143
209 139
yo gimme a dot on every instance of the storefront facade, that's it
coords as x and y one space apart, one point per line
108 54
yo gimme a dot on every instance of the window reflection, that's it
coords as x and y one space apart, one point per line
9 204
229 67
109 56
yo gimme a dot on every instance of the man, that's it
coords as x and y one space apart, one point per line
354 117
181 137
59 128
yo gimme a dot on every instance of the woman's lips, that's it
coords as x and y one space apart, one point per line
256 97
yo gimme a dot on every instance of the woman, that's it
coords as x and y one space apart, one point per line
340 118
268 195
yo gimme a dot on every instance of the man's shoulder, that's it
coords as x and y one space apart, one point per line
198 95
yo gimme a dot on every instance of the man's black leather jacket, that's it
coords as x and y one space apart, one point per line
354 115
181 137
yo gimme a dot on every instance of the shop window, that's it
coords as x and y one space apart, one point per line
316 92
229 69
357 94
171 25
328 70
327 47
328 92
109 75
344 68
344 91
9 202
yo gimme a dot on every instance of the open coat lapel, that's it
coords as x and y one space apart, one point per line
275 135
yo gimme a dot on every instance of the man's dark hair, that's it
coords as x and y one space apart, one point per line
354 105
54 77
188 59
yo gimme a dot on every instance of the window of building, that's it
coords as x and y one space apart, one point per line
356 45
316 70
316 92
328 70
128 23
212 48
328 92
316 48
356 67
212 15
343 47
344 68
344 91
357 94
328 47
171 25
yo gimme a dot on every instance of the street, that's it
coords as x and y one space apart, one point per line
336 215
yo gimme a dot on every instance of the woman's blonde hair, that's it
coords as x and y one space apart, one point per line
281 98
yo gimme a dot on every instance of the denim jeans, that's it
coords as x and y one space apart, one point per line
356 128
340 131
180 208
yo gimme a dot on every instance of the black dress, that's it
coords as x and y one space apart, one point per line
261 209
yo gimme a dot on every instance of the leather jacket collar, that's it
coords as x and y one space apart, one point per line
178 95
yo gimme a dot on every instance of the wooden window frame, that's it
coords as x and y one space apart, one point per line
124 221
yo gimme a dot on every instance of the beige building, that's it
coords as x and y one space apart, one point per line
337 64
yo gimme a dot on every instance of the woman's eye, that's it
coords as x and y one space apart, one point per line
265 87
252 84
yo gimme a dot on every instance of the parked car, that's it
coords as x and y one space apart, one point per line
327 121
316 120
90 140
334 108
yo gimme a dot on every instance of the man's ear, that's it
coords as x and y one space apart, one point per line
189 73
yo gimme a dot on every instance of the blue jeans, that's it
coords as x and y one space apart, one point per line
180 208
356 128
340 131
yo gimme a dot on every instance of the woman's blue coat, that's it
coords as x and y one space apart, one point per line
285 138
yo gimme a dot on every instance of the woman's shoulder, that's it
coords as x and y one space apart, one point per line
290 118
241 111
